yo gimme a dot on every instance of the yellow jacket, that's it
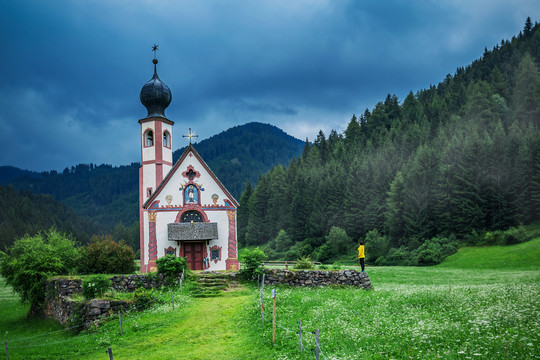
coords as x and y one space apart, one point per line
361 252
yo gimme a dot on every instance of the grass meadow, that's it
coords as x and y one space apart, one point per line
481 303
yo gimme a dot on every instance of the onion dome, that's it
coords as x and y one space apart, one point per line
155 95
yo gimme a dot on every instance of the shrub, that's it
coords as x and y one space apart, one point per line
336 266
338 242
435 250
323 267
32 259
95 286
282 241
252 263
171 267
376 245
397 256
105 256
144 298
304 263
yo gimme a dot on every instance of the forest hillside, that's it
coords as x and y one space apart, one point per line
458 162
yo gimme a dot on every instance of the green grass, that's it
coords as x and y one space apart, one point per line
461 309
520 256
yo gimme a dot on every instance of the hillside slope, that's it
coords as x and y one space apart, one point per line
108 195
413 177
520 256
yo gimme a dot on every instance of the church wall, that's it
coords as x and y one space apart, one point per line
163 218
149 176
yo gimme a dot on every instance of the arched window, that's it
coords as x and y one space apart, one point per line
166 139
190 216
149 138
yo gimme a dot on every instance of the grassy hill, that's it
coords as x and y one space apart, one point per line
519 256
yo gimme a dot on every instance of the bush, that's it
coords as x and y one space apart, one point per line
376 244
338 242
105 256
171 267
252 263
336 266
434 251
323 267
304 263
95 287
32 259
144 298
282 241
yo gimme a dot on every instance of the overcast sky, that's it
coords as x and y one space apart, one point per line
72 70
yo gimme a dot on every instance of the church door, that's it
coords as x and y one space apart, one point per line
193 251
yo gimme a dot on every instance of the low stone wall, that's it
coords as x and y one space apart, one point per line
62 307
317 278
129 283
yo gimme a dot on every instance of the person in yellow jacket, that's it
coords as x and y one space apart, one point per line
361 255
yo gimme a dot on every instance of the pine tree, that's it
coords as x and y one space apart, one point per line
243 213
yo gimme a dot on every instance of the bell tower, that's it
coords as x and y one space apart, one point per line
156 148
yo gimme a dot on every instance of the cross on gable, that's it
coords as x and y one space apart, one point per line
190 136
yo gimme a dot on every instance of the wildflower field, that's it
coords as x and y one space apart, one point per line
451 311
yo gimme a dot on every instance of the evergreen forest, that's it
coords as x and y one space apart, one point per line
413 178
105 197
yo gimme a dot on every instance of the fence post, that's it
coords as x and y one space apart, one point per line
7 353
182 282
317 344
110 354
274 316
172 300
286 266
300 333
120 320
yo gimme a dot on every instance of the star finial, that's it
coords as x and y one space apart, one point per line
155 49
190 135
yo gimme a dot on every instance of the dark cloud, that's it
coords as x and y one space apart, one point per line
72 71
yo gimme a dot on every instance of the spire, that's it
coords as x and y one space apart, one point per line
155 94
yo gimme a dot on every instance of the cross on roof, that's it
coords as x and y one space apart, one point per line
190 135
155 49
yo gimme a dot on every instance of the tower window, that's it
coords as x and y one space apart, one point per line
166 139
149 138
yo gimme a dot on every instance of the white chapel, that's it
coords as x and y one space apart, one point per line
184 209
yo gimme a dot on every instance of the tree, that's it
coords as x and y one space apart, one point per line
105 256
32 259
527 91
283 241
243 213
338 242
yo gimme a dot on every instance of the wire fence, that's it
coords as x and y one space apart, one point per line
317 350
142 309
136 311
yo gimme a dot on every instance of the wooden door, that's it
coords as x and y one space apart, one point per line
193 251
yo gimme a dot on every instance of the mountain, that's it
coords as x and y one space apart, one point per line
22 212
244 152
9 173
458 162
108 195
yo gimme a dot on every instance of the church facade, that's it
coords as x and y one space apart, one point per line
184 209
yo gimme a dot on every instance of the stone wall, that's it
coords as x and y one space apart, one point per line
62 307
317 278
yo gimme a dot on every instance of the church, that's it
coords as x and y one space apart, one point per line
184 209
